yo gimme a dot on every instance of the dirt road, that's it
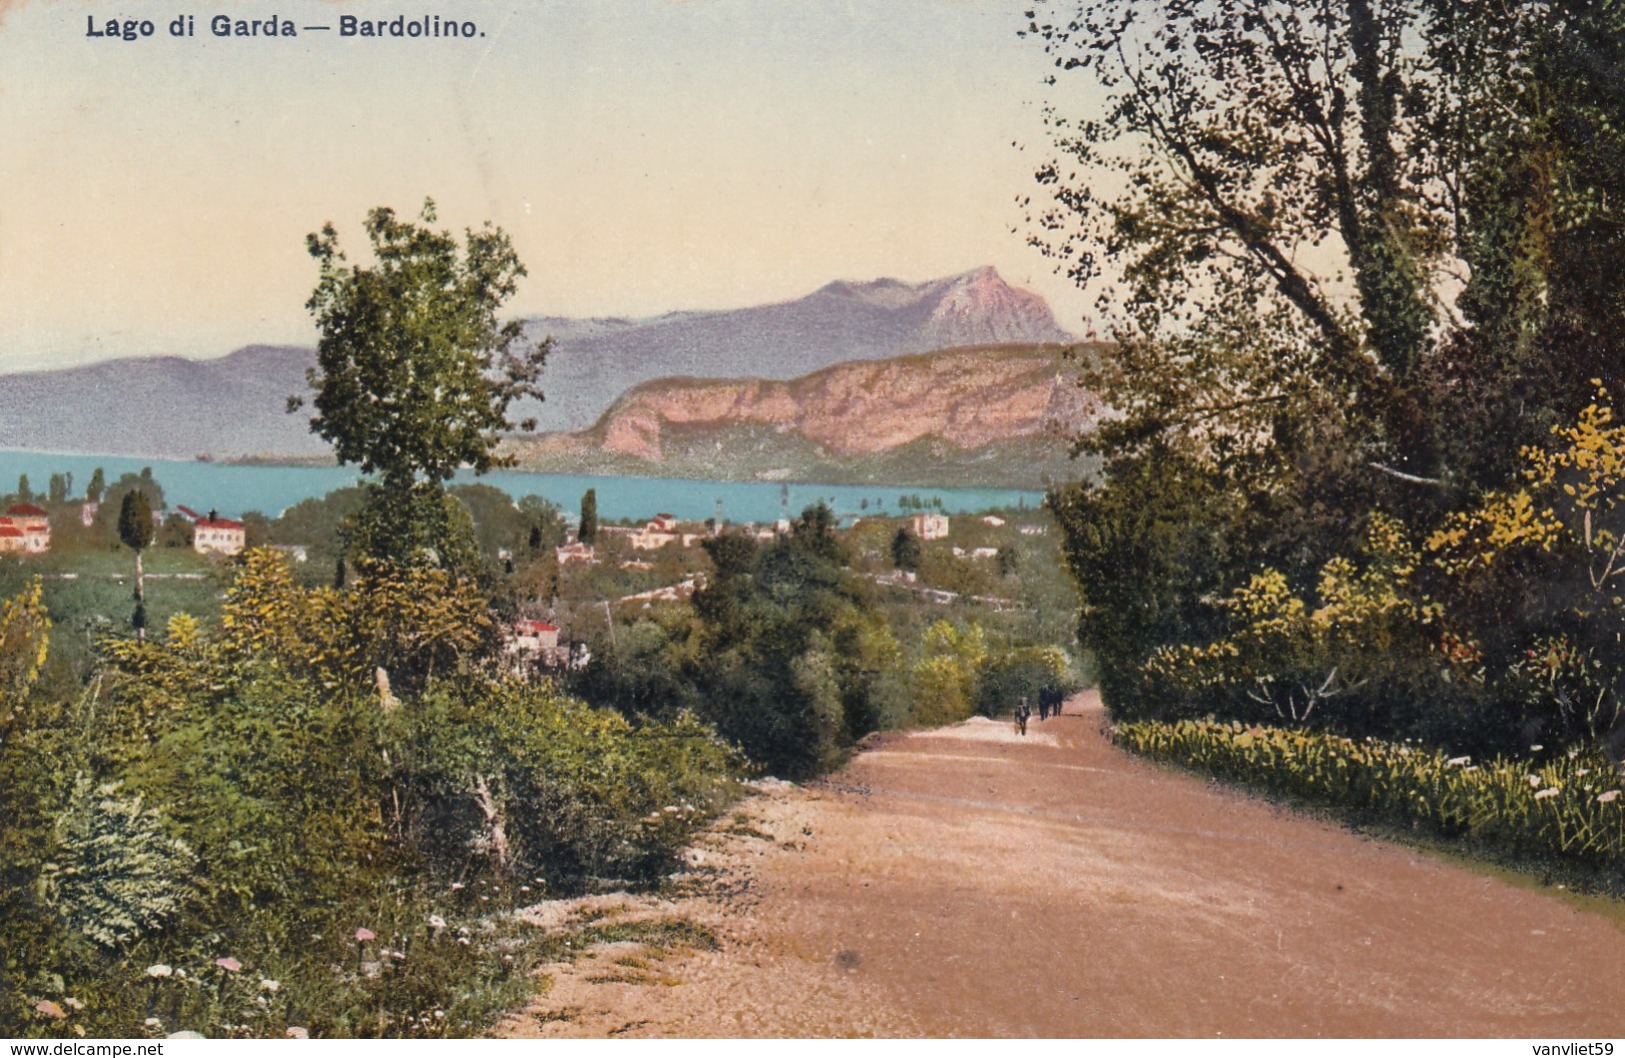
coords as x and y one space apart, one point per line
969 882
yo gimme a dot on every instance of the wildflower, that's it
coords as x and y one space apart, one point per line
1536 748
1608 798
50 1009
436 923
159 969
270 985
1550 791
73 1004
363 935
463 940
456 886
153 1023
524 888
297 1032
1534 780
1582 771
1457 762
439 1013
228 964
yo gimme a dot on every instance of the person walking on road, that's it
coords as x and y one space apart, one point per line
1023 711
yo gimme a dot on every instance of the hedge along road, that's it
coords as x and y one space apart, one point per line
971 882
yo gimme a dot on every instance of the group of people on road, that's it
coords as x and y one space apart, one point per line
1049 704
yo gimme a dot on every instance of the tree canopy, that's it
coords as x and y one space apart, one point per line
415 374
1348 252
1283 207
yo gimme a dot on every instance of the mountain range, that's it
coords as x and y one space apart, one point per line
233 406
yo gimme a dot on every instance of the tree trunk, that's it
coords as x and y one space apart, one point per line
140 599
493 819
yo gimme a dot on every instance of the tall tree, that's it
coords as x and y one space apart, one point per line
1534 130
588 531
1350 250
415 374
98 482
24 493
1263 211
135 529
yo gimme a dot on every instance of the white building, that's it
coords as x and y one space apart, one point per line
29 529
220 535
576 554
930 526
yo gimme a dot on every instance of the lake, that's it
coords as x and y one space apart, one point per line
233 490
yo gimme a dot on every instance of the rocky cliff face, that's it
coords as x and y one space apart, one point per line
596 361
968 398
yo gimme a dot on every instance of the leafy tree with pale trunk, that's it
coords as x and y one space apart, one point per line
415 374
135 529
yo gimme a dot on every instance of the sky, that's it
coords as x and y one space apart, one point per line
644 155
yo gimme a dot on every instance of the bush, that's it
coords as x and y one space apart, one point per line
199 838
1569 807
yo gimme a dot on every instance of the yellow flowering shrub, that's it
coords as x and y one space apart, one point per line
1288 652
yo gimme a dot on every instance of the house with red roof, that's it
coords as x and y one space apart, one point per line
214 533
25 527
529 644
532 637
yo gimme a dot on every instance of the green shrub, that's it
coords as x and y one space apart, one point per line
115 875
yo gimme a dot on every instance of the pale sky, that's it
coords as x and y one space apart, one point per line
645 155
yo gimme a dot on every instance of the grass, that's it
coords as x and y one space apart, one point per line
89 591
663 936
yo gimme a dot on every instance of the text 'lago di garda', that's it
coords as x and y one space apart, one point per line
398 28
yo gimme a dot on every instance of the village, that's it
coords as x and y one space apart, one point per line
588 582
665 544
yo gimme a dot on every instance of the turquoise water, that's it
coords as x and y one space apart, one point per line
232 490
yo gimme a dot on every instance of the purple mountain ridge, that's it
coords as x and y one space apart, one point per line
169 407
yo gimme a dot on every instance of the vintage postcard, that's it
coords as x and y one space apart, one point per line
717 518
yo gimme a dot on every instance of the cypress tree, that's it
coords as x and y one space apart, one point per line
588 533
